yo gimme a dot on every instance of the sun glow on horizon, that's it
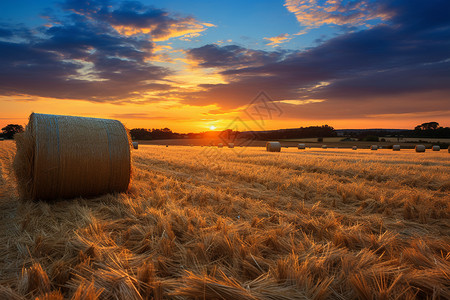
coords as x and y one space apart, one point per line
212 127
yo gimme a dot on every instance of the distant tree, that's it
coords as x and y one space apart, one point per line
427 126
10 130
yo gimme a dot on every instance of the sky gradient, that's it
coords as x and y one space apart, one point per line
191 66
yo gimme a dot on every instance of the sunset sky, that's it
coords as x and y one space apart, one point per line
195 65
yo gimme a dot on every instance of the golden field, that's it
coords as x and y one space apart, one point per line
206 223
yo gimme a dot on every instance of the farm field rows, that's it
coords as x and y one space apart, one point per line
206 223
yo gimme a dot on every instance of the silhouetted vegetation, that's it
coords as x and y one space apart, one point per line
295 133
425 130
10 130
153 134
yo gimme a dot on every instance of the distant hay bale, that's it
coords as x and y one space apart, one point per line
396 148
220 145
167 146
230 145
448 149
324 146
66 157
135 145
374 147
436 148
420 148
273 146
301 146
2 139
354 148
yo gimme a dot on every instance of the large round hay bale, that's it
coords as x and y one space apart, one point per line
436 148
301 146
66 157
220 145
374 147
420 148
273 146
396 148
135 145
230 145
354 148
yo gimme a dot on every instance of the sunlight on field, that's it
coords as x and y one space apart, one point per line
206 223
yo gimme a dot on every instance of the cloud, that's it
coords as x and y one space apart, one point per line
279 39
80 54
214 56
133 18
402 66
313 13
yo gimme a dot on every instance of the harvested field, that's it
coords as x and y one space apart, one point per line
205 223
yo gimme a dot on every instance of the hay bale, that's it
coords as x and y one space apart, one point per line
66 157
167 146
273 147
374 147
324 146
436 148
135 145
420 148
354 148
2 139
220 145
301 146
396 148
230 145
448 149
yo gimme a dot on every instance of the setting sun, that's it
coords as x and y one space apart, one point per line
212 127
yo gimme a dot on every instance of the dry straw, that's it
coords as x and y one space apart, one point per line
436 148
396 148
420 148
301 146
273 146
135 145
66 157
374 147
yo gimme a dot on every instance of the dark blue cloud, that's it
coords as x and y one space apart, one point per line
232 56
410 54
131 14
80 57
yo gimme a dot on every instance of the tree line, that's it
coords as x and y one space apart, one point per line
425 130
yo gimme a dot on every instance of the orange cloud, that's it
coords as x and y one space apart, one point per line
279 39
313 13
188 28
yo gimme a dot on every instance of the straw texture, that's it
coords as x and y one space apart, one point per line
66 157
396 148
135 145
420 148
273 146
